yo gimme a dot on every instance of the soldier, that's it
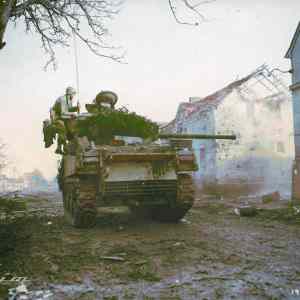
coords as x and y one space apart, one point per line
61 110
106 99
63 104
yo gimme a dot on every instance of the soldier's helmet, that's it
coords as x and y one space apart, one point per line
106 98
70 91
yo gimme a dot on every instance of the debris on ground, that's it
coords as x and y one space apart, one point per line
178 244
185 221
114 258
151 260
22 293
268 198
236 211
246 211
296 210
141 262
72 290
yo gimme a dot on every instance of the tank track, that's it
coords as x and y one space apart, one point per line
177 209
80 203
141 212
79 196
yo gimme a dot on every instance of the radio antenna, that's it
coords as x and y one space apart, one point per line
76 64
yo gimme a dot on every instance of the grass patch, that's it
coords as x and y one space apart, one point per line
128 250
213 208
289 215
11 205
4 291
21 241
144 272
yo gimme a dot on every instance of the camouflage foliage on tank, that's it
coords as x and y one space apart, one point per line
106 123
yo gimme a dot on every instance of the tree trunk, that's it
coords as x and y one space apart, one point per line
6 7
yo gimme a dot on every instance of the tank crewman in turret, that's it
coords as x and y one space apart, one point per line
63 109
106 99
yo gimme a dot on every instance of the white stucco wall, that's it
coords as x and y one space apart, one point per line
259 112
263 153
203 123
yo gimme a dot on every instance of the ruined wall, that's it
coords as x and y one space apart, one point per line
258 109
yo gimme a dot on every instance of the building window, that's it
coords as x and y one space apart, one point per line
280 147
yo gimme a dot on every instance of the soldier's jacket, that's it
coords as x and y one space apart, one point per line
51 129
62 105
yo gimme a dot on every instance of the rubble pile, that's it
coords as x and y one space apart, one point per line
21 292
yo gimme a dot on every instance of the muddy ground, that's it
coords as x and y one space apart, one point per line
212 254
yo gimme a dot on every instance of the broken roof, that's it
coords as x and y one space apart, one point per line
293 42
214 99
270 86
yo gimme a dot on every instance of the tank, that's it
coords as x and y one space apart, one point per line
152 176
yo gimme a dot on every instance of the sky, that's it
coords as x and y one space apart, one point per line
166 63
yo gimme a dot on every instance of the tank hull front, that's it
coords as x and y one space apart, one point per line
139 180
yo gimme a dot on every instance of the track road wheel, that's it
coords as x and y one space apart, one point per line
84 217
176 210
68 197
84 211
80 203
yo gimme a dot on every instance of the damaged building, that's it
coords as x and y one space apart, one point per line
258 109
293 54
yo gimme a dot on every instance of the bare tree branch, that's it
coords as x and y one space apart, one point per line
55 21
204 2
194 8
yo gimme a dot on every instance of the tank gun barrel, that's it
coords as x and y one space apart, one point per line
197 136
